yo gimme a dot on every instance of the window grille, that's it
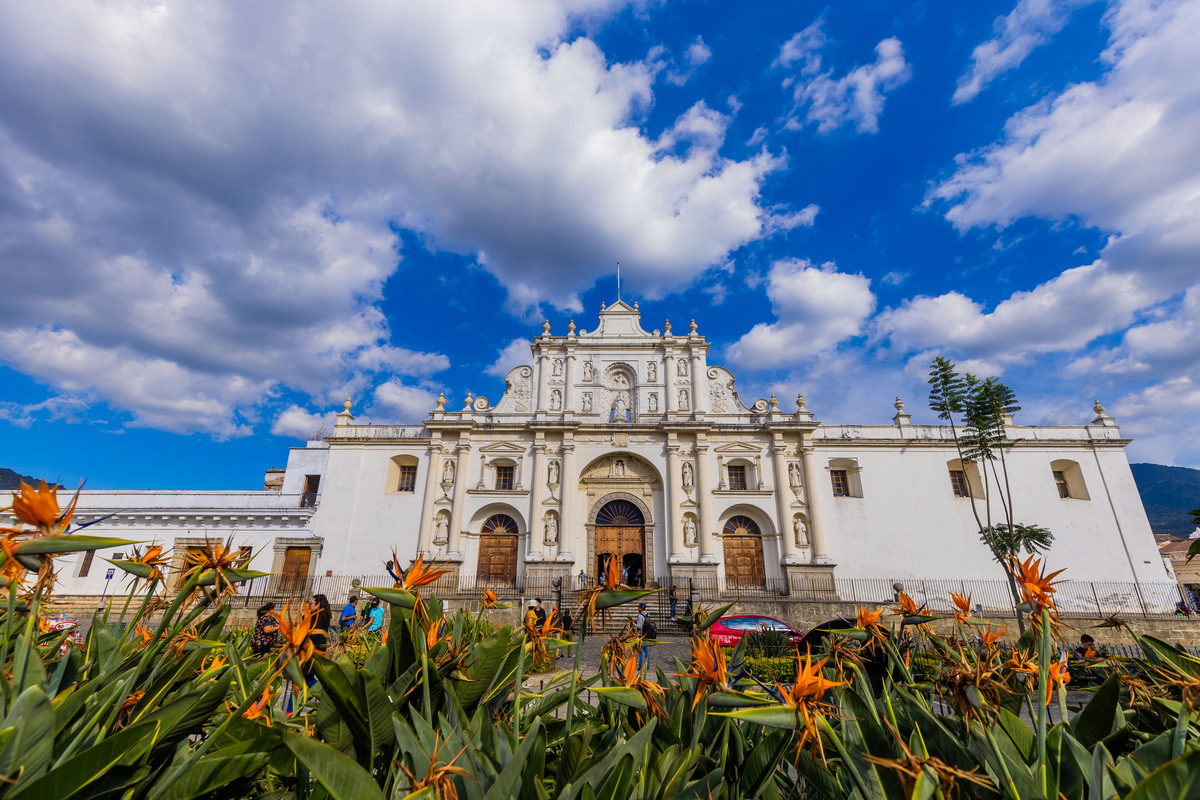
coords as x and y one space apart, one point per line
958 479
841 484
1060 480
408 479
737 477
505 478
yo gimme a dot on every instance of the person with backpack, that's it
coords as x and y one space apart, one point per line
646 630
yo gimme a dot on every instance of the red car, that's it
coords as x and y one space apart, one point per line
728 631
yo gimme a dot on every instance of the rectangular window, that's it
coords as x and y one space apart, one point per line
86 566
1060 480
841 485
311 484
958 479
408 479
737 477
504 478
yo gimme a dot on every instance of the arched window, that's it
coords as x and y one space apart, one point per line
500 525
620 512
498 551
845 475
964 478
402 474
742 543
1068 479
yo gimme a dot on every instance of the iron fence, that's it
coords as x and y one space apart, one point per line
994 597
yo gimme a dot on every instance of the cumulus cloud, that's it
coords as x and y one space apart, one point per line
514 354
856 98
816 308
698 52
402 402
297 423
210 196
1028 26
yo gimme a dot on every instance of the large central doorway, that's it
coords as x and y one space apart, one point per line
498 552
621 535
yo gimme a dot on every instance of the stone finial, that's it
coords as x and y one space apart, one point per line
666 327
774 402
802 412
901 418
800 402
692 327
441 401
571 328
602 305
1102 418
899 404
635 305
344 416
546 327
349 404
1099 409
467 403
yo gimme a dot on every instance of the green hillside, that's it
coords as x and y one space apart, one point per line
1168 493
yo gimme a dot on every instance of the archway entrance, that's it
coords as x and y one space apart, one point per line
621 535
743 553
498 551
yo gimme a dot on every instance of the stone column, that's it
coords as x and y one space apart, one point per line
569 387
669 379
457 523
537 536
816 522
433 479
788 550
699 389
672 494
703 492
568 524
542 378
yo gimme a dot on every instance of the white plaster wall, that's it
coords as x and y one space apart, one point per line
304 461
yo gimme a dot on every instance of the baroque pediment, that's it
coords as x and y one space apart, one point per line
740 448
503 448
619 467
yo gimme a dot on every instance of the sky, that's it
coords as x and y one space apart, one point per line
219 220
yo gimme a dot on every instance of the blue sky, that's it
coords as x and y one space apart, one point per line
219 220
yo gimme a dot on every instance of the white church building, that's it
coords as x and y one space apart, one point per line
624 443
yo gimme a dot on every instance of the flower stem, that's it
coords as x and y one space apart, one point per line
1043 677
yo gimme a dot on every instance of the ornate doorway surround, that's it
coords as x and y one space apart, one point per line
621 476
620 535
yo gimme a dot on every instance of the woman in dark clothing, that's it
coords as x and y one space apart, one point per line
266 630
319 604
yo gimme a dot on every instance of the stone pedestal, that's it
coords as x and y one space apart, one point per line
811 581
704 575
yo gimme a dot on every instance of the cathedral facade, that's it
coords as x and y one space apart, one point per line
626 444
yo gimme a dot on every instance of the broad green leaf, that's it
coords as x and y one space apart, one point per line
733 699
715 615
32 747
610 598
135 568
126 747
1172 781
67 543
392 596
623 695
209 577
1099 717
776 716
341 776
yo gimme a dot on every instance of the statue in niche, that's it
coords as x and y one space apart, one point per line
801 528
689 478
552 469
653 402
794 475
681 367
587 371
689 532
442 535
652 371
683 399
555 400
620 409
619 469
551 529
587 401
558 367
448 472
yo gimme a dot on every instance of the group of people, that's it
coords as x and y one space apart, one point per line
535 616
370 618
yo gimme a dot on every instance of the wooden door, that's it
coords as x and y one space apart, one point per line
295 569
497 560
618 541
744 561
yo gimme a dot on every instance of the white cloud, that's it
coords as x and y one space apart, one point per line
514 354
698 52
856 98
1028 26
297 423
1153 416
1062 314
405 403
894 278
209 190
816 308
1117 154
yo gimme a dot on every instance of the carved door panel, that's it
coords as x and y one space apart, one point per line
295 570
497 560
618 542
744 561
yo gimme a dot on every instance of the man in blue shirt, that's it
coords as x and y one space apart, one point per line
349 613
375 616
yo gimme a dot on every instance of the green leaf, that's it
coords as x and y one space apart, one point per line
127 747
713 616
733 699
1172 781
218 769
1099 717
340 775
623 695
610 598
136 568
67 543
209 577
33 746
776 716
392 596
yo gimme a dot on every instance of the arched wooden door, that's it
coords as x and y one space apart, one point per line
498 551
743 553
621 535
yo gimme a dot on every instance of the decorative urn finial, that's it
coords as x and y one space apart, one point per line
666 327
774 402
692 326
468 401
546 327
1099 409
571 328
800 402
441 401
347 405
899 404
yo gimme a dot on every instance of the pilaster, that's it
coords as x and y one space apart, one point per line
816 519
790 552
570 527
433 472
457 523
704 493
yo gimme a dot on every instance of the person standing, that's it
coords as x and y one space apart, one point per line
539 611
674 598
531 619
318 606
639 626
266 630
375 617
582 579
349 613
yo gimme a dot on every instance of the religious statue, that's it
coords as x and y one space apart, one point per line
448 473
653 402
689 478
587 371
553 471
558 366
794 475
689 532
652 371
681 367
587 401
801 532
556 400
551 529
442 535
619 408
683 399
619 469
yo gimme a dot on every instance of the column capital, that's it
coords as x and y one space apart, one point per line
463 447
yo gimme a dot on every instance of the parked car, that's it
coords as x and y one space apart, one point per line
728 631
